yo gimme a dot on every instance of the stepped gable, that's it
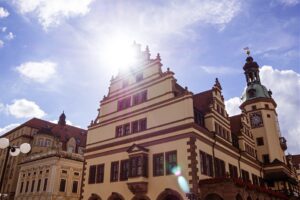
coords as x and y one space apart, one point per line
203 100
236 124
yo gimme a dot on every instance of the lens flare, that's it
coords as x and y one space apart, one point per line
183 184
176 171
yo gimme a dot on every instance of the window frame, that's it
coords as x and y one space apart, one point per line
170 164
114 171
158 164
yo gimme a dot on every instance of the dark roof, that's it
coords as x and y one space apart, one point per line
202 101
62 132
235 124
296 161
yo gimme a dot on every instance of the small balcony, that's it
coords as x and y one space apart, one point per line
283 143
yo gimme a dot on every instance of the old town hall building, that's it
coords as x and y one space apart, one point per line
154 139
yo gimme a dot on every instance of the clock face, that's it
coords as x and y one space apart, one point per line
256 120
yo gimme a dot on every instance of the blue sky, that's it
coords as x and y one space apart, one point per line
53 54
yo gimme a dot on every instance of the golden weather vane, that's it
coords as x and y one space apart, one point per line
247 50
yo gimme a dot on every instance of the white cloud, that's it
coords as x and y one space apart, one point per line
23 108
285 85
10 36
220 70
1 43
3 13
40 72
177 14
7 128
289 2
51 13
232 106
3 29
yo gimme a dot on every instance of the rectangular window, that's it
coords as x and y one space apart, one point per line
126 129
233 172
48 143
158 164
32 185
119 131
139 77
39 185
266 158
100 173
124 170
260 141
135 166
139 166
139 97
45 184
219 168
124 103
75 187
92 174
21 188
62 185
254 107
114 171
135 127
27 185
206 166
255 179
171 161
142 124
245 176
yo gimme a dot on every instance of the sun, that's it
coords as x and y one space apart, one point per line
118 52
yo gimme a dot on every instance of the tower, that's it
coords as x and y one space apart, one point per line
62 119
260 108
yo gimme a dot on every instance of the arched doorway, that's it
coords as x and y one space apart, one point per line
115 196
94 197
169 194
213 197
238 197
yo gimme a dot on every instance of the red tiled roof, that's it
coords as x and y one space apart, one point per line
235 124
62 132
202 101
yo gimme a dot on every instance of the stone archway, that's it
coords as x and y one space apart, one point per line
213 196
169 194
94 197
115 196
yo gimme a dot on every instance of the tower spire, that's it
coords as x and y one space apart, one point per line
62 119
251 69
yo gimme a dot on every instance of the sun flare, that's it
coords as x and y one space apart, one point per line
118 52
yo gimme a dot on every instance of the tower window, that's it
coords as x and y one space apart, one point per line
75 187
252 93
268 115
267 106
260 141
62 185
254 107
266 158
